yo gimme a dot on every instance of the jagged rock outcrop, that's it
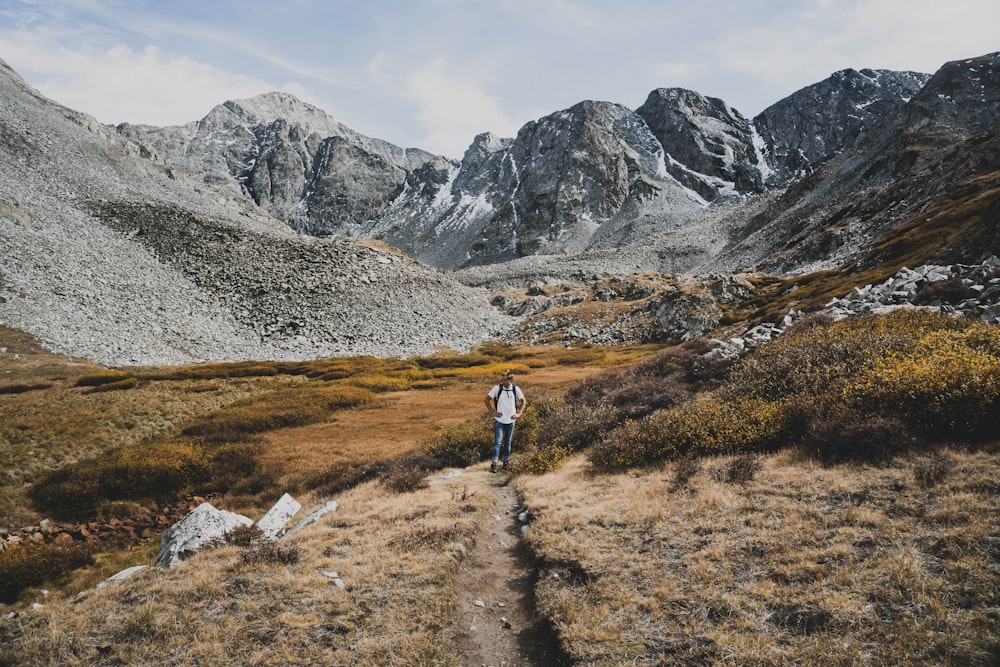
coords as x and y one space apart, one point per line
816 123
291 158
710 147
547 191
923 186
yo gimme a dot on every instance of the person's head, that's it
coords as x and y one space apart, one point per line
507 377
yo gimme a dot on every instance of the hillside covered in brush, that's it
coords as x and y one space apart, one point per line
823 496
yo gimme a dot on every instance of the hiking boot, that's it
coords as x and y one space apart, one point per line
493 467
504 465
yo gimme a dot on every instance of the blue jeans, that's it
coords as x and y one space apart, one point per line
502 433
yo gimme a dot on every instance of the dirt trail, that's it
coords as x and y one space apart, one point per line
495 623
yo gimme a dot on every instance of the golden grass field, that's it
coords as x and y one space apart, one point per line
796 563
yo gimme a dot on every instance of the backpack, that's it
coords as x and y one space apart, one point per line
500 390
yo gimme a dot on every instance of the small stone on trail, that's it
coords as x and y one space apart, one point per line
479 603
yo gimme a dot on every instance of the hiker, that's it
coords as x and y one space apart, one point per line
502 400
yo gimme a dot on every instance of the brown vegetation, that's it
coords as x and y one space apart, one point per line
665 527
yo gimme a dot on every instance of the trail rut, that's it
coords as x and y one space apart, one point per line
495 621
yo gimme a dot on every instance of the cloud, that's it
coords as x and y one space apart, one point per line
119 84
453 109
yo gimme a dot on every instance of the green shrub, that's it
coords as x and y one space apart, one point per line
451 360
471 441
931 470
739 469
278 409
31 564
463 444
669 378
120 385
23 388
404 477
158 471
835 432
572 426
699 428
685 468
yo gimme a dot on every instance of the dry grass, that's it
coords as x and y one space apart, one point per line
774 561
800 565
394 553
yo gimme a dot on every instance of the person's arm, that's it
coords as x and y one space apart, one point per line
488 401
524 406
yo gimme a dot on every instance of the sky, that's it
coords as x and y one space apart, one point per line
432 74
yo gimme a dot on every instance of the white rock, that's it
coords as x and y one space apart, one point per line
121 576
311 518
272 523
202 525
445 477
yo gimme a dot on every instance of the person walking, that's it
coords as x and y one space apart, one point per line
507 402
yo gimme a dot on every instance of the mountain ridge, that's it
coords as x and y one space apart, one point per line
122 253
488 207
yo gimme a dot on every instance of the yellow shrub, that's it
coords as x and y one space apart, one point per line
542 459
33 564
158 471
827 358
699 428
380 383
949 382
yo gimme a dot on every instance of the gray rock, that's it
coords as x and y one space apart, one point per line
202 526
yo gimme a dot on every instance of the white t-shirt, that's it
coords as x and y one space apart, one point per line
507 405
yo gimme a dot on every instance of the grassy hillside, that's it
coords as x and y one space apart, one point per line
828 499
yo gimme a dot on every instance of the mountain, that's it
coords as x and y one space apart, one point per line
290 158
596 176
261 230
921 186
562 182
113 254
818 122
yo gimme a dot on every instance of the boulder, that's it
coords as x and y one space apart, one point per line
202 526
272 523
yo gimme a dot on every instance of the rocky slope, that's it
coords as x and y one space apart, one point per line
923 186
112 254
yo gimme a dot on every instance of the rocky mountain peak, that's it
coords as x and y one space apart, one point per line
810 126
962 97
709 146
